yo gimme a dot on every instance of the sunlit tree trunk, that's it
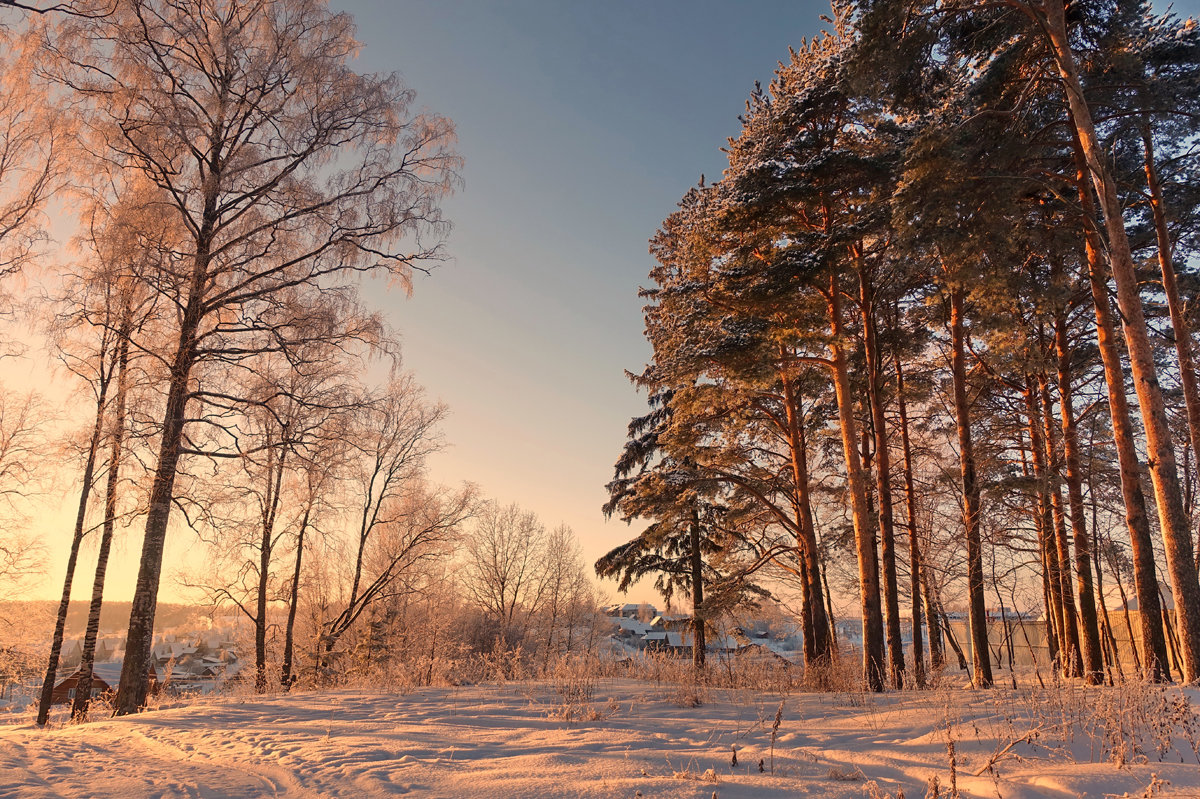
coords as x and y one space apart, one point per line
914 547
1145 577
83 688
864 532
135 669
937 653
1106 622
883 487
286 678
1071 648
1093 657
1179 324
89 470
1168 493
276 466
697 575
982 674
1051 583
817 645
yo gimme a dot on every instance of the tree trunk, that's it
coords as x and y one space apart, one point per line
914 548
937 653
139 642
864 532
1071 649
1183 333
883 487
60 622
982 675
1145 577
1049 557
286 678
1093 657
83 688
1177 538
833 635
1106 621
276 466
697 564
818 650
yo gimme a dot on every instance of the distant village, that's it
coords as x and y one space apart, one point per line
182 663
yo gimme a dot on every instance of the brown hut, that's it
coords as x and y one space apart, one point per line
105 678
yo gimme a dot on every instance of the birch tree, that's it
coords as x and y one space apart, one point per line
287 170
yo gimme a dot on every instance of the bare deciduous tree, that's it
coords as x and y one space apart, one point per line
286 169
31 143
22 446
399 520
504 567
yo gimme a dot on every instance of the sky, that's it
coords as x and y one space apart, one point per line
581 124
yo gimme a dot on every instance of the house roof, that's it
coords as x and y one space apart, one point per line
632 625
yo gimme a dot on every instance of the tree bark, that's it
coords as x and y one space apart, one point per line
818 650
914 548
1183 333
697 564
982 674
864 532
937 653
1173 522
139 642
883 487
286 678
1072 650
276 465
83 688
1093 656
1051 583
1145 577
60 622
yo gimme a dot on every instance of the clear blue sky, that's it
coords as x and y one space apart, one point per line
582 123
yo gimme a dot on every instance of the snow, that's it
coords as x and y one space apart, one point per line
522 740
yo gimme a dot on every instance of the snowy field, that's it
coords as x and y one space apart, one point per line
631 739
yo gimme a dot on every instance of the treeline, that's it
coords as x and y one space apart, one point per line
235 184
928 339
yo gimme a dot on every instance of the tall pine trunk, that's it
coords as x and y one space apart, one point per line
1072 650
1051 595
982 674
1168 494
1106 622
1093 657
1051 578
817 644
1145 576
864 532
914 547
1183 333
697 574
883 487
937 651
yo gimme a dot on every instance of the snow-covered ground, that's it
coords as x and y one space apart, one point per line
632 739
